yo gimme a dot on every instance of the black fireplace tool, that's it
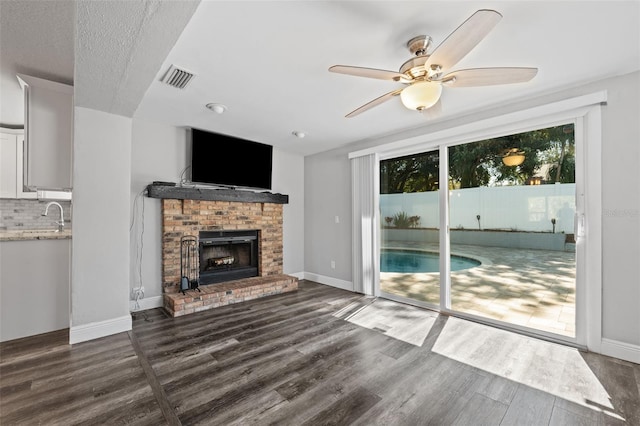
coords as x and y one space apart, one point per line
189 279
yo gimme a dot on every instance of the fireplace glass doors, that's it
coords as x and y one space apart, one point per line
227 255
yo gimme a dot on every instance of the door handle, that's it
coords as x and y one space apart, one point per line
579 226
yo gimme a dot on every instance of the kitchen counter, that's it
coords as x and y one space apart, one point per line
34 234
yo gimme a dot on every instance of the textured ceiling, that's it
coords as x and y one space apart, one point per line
116 48
120 47
267 61
36 38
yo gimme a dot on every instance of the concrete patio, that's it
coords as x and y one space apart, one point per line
532 288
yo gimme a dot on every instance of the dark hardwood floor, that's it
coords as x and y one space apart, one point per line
318 356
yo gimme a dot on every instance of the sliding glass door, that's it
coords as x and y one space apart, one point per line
409 209
510 203
511 208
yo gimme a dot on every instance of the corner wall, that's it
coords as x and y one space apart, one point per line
100 254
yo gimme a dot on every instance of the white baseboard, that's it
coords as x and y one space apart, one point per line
298 275
146 303
333 282
621 350
95 330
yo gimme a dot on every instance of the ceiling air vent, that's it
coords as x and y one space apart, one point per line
177 77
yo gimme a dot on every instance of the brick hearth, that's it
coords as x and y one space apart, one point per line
189 217
227 293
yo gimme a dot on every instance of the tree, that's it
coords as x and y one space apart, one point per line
412 173
561 157
470 164
480 163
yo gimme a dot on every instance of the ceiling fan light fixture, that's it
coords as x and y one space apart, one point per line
421 95
427 71
513 159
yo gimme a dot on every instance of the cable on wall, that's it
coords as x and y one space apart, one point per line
183 179
138 292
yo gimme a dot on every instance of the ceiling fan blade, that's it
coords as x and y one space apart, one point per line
367 72
488 76
377 101
463 39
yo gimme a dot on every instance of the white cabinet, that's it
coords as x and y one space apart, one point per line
8 173
34 287
48 133
11 165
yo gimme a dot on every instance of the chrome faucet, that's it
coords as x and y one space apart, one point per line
61 223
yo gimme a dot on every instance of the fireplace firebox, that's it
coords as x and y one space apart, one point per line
227 255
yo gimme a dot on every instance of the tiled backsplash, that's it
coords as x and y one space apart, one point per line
27 214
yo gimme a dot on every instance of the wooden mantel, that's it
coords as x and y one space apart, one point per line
163 190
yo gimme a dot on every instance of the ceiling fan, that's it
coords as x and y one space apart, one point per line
425 73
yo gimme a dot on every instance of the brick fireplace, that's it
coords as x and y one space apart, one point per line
185 216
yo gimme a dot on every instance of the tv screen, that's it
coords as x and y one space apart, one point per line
229 161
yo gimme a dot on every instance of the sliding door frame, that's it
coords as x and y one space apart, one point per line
585 113
445 231
579 339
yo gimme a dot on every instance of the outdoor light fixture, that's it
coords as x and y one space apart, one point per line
421 95
513 157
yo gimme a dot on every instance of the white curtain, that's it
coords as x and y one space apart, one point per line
365 220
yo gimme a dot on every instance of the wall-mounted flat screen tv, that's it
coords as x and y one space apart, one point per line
225 160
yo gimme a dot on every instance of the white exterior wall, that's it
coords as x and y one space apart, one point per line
522 208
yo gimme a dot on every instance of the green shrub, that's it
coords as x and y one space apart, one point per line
402 220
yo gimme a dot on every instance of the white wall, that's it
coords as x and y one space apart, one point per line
100 245
327 182
288 178
327 192
621 209
34 294
522 208
159 153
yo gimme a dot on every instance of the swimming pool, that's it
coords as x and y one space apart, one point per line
412 261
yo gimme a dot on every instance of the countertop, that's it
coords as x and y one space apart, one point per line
34 234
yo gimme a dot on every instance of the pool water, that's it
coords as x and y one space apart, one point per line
412 261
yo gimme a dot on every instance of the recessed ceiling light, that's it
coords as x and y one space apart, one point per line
298 134
217 108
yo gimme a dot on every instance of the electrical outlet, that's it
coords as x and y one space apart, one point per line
333 264
337 219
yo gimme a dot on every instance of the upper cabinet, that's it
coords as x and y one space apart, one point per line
48 134
11 163
8 172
